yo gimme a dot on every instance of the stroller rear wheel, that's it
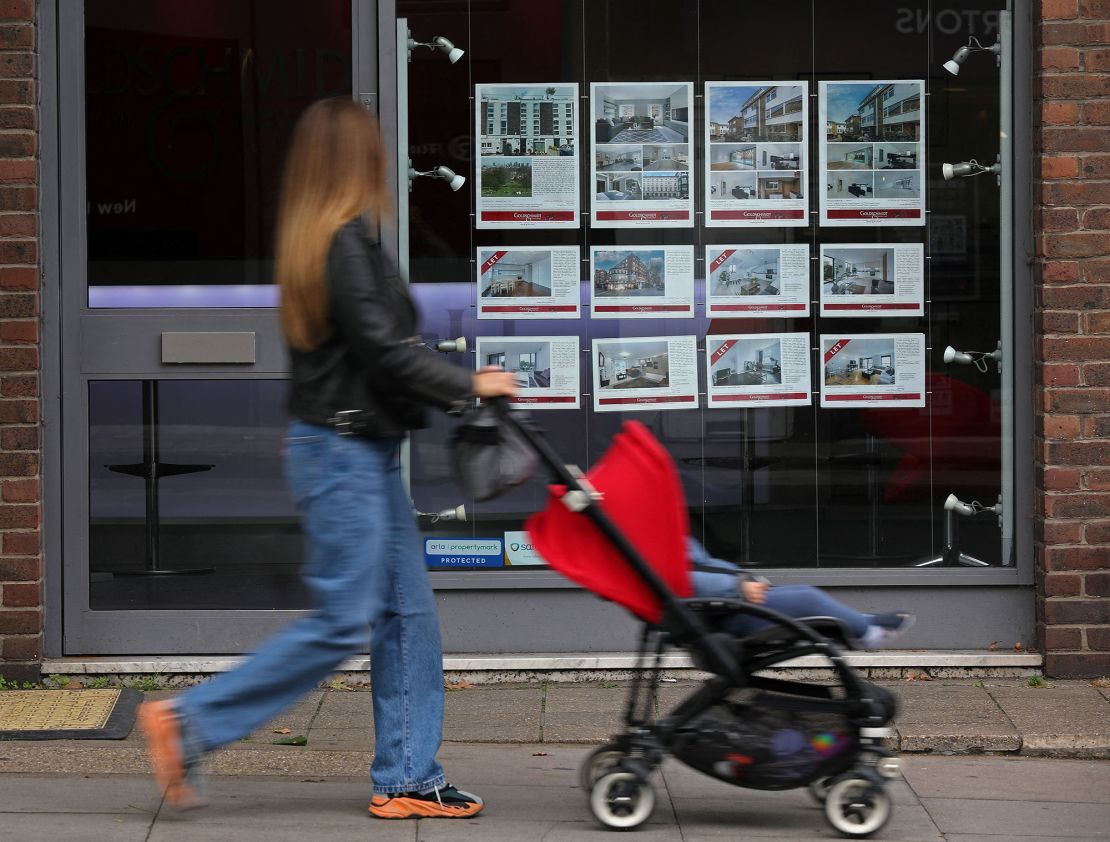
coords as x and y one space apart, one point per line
621 800
857 807
819 789
599 761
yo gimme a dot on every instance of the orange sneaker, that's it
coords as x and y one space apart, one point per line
159 725
445 802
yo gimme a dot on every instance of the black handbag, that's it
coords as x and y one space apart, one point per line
491 456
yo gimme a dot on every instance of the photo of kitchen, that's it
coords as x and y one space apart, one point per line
750 113
619 159
667 158
732 186
524 274
641 113
895 156
787 185
850 156
749 362
857 271
627 274
779 156
748 272
632 365
528 360
898 184
617 187
862 362
857 185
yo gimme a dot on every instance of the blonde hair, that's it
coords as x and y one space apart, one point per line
334 172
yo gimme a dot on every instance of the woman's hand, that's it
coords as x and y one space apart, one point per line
754 592
492 382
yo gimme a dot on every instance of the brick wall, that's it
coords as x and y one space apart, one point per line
1072 403
20 514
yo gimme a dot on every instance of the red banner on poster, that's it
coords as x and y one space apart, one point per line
889 213
753 308
527 216
537 308
642 308
660 399
878 396
758 214
642 216
777 396
530 400
902 306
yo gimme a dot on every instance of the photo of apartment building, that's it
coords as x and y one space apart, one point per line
666 185
858 272
748 272
518 273
884 112
749 362
528 121
749 114
628 273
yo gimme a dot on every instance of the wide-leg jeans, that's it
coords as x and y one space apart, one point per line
365 568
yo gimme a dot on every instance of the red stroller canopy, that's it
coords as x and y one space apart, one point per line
642 495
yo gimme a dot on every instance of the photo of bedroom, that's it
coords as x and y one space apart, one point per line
619 159
626 274
731 186
749 362
898 184
748 272
632 365
618 187
850 156
857 271
862 362
524 274
858 185
786 185
529 361
641 114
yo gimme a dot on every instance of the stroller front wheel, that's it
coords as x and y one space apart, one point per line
819 789
621 800
857 807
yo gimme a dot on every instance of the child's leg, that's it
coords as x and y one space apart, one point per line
800 601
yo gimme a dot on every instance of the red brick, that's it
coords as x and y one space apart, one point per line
21 621
1061 532
1097 532
1058 426
17 145
25 647
1096 480
19 306
1074 611
1057 321
20 544
1058 219
19 332
21 171
21 10
1095 9
1099 639
22 595
25 569
1077 505
27 251
1088 400
1096 166
17 117
1096 322
24 198
1095 271
1059 9
14 37
1075 33
20 490
1070 193
1063 584
1076 664
1059 167
19 438
1074 86
19 516
1059 374
1096 584
18 225
18 359
19 277
1096 427
1052 113
1076 244
17 65
1059 58
1078 348
1061 479
18 465
1075 558
1057 638
19 386
1096 60
17 92
1096 113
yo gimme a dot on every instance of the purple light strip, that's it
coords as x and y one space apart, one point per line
184 295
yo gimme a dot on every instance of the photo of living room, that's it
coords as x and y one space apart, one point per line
732 186
786 185
617 187
618 159
857 185
506 176
850 156
751 114
626 274
749 362
895 156
518 274
732 156
748 272
632 365
862 362
857 271
667 158
898 184
641 113
529 361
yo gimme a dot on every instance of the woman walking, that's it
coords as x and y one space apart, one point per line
360 379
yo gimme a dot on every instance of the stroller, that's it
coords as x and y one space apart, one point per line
620 532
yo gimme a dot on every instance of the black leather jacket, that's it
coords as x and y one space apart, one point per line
373 362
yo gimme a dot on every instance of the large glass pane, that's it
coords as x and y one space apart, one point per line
188 109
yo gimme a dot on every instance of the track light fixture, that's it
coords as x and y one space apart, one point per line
975 358
456 514
446 173
440 43
955 504
973 46
965 169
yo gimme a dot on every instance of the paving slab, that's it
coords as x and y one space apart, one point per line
1071 718
538 764
488 827
954 718
85 795
296 718
583 713
345 709
340 739
75 827
493 715
1053 819
1009 778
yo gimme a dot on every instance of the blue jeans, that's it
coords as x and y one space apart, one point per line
799 601
365 568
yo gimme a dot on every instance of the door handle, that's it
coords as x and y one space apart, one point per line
209 347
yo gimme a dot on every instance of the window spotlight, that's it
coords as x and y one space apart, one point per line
975 358
452 346
456 514
965 169
973 46
446 173
955 504
440 43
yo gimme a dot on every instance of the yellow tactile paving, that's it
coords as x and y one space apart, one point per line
56 710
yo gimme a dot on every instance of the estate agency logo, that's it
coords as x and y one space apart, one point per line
946 21
519 551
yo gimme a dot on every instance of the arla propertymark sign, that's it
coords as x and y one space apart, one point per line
463 552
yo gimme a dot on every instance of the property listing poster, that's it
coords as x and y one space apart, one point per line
527 172
868 279
641 154
758 368
642 282
534 282
757 281
875 369
756 154
645 373
873 152
545 368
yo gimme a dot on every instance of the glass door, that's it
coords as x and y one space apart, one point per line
178 534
